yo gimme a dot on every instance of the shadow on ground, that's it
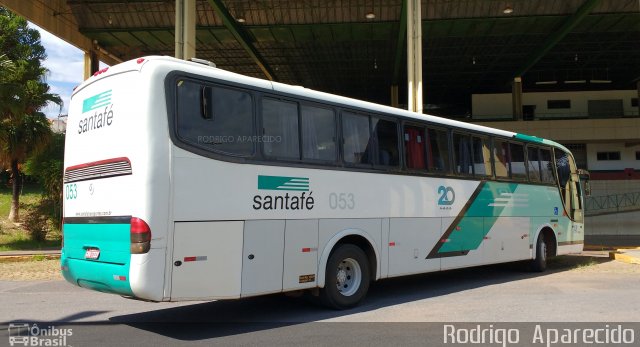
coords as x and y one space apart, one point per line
225 318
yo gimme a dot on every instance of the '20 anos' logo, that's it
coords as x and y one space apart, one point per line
447 196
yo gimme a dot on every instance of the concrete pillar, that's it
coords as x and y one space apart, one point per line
395 101
91 64
516 98
414 55
185 39
638 88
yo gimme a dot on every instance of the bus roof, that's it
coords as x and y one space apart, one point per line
205 70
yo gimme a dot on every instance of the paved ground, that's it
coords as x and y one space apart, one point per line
588 288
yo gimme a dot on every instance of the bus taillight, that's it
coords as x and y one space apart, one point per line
140 236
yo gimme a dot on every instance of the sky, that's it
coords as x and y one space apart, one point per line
65 63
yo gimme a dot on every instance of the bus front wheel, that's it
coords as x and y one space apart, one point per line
347 277
539 263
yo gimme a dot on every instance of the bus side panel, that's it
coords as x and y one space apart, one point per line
207 260
300 254
262 257
508 239
410 240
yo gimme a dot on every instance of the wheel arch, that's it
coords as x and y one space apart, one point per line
550 239
358 238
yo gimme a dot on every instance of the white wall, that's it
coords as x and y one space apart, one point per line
627 156
495 106
614 187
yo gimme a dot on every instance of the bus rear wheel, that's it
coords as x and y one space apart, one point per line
347 277
539 263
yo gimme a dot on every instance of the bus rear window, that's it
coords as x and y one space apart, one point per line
215 118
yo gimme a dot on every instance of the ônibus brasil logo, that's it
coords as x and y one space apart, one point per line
102 117
300 197
23 334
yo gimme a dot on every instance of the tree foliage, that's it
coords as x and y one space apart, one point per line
47 167
23 91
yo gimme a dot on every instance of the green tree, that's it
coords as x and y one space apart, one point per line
47 167
23 91
6 66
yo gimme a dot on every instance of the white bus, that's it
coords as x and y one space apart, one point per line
188 182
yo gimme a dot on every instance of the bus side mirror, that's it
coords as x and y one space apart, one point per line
587 188
584 179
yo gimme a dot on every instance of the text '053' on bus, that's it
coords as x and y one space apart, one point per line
188 182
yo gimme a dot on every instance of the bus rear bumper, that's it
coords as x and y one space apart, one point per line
102 277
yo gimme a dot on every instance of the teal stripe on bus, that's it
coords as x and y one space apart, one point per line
495 200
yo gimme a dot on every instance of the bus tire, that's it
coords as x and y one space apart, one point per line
347 277
539 263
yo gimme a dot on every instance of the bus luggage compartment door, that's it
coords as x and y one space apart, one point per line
207 260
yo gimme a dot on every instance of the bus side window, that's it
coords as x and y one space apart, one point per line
414 144
546 167
206 102
462 154
533 164
356 136
564 176
214 118
518 170
501 157
386 136
481 156
280 124
438 150
318 133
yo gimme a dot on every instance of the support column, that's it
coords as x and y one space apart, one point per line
516 98
638 88
414 55
91 64
185 38
395 101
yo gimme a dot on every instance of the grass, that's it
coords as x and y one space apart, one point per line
13 236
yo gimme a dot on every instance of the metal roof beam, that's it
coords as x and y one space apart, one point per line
243 38
402 35
557 36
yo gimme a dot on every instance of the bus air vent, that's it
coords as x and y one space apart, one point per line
98 169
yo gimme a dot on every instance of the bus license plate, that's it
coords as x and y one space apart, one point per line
92 253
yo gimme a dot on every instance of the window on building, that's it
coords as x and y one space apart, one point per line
637 155
558 104
634 102
280 124
602 156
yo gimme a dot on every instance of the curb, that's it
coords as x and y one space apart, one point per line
607 248
30 257
617 255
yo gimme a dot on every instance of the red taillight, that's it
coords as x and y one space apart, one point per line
140 60
140 236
